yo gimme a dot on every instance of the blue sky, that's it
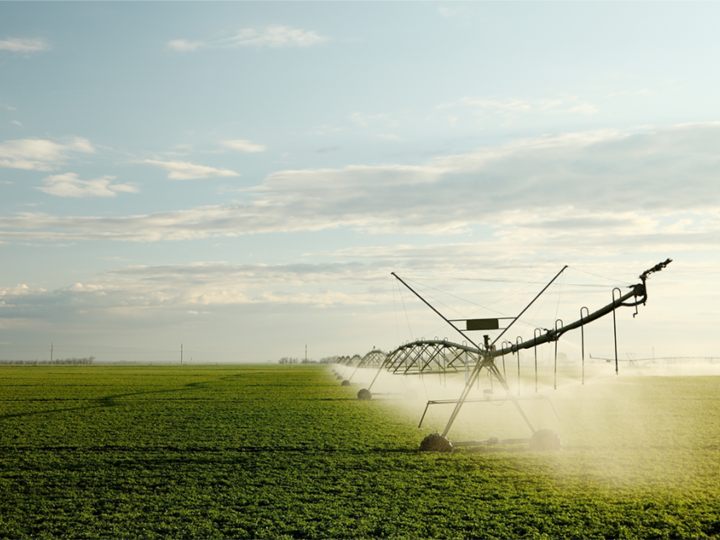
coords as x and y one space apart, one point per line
242 177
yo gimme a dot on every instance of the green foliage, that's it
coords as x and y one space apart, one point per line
286 452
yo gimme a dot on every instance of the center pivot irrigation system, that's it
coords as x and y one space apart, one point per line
442 356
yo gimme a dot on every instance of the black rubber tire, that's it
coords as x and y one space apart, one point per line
545 440
436 443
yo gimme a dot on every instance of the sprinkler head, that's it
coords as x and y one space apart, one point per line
345 383
364 394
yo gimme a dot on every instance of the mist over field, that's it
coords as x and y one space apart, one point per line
650 426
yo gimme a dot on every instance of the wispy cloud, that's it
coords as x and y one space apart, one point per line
183 170
69 185
584 189
275 36
40 154
20 289
512 107
641 92
482 273
243 145
24 45
200 285
390 137
221 283
365 120
446 12
184 45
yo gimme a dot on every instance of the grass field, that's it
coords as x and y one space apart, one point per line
286 452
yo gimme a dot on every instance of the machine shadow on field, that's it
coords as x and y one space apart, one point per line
92 403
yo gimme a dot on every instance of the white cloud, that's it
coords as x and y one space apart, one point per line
446 12
20 289
390 137
158 299
24 45
641 92
79 287
221 283
183 45
183 170
275 36
16 123
198 286
40 154
585 108
69 185
513 107
244 146
489 276
583 189
365 120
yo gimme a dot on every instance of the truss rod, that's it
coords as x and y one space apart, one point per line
428 304
530 304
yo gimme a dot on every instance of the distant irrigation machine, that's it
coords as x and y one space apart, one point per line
443 357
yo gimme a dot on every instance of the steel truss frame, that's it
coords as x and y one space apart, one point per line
443 356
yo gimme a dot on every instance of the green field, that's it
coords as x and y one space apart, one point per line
286 452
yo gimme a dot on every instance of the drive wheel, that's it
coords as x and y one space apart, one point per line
545 440
436 443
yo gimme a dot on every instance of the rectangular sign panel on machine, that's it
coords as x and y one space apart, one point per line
482 324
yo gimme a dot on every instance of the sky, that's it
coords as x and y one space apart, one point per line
241 178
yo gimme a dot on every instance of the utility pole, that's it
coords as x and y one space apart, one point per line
181 351
51 352
306 354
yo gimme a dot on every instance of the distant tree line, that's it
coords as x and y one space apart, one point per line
289 360
72 361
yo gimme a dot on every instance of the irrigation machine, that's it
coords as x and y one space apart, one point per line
442 357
